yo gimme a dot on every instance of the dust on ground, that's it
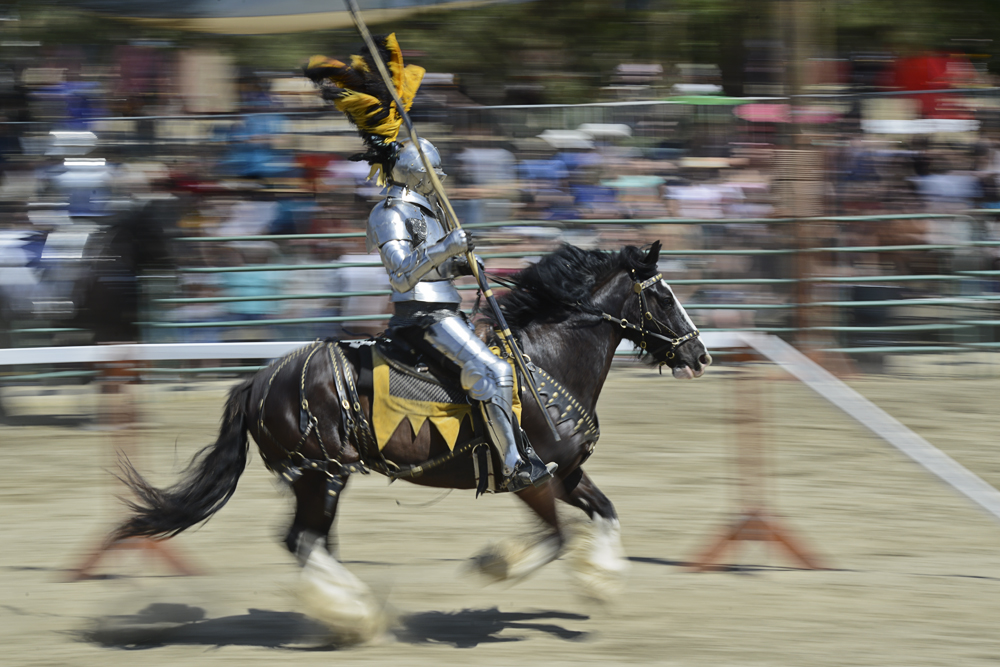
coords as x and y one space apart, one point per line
914 578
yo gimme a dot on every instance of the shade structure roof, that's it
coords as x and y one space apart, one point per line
255 17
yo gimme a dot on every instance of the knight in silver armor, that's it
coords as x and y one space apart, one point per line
422 259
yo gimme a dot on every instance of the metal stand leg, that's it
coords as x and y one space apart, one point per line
754 523
119 415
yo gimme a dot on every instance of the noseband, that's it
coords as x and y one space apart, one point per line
647 317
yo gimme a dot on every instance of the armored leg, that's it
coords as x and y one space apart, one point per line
491 381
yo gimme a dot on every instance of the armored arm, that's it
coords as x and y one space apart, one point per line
407 266
389 231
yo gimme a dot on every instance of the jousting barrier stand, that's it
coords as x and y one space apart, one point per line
754 522
118 416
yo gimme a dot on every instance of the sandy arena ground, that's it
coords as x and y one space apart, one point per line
915 576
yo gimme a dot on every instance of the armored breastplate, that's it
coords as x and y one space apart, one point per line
405 215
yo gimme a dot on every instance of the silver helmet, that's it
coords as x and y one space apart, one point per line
409 168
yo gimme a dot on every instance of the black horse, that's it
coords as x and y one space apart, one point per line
91 290
570 312
93 285
135 241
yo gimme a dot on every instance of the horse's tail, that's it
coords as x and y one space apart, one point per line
207 484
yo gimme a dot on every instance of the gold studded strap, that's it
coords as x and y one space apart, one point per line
570 409
645 284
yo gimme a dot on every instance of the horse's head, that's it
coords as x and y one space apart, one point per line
661 327
597 283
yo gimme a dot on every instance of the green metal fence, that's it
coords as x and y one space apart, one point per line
955 307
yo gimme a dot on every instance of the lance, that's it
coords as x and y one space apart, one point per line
451 220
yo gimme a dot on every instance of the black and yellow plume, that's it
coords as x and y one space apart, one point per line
359 91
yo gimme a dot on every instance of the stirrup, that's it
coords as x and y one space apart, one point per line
540 470
532 473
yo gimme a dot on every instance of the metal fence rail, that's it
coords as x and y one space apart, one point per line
955 308
970 297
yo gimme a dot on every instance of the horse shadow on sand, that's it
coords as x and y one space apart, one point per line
163 624
54 421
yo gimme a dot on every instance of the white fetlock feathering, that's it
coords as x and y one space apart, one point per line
332 595
597 558
514 559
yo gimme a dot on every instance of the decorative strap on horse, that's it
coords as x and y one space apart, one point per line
292 467
673 341
356 427
296 464
570 409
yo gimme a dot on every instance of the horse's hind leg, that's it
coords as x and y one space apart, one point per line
515 558
327 590
596 556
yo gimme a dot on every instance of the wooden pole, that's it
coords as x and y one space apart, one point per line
118 414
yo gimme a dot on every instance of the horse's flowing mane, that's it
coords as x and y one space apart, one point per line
561 282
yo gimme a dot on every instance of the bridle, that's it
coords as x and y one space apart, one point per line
673 340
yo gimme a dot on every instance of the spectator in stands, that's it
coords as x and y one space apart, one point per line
486 181
200 285
252 283
364 273
591 198
312 281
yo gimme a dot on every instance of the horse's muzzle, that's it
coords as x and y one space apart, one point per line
683 373
686 372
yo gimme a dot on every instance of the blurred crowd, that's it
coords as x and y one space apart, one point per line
233 162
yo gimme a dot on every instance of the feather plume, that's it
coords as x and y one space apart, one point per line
359 92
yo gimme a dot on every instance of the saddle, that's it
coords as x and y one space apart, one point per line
408 385
402 383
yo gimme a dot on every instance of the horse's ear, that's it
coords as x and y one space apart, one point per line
654 253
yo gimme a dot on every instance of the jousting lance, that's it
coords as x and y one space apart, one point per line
451 219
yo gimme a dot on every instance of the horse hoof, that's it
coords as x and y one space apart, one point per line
597 559
330 594
514 559
491 565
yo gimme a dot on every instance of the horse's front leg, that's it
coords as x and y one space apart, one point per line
313 517
514 559
327 590
596 556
